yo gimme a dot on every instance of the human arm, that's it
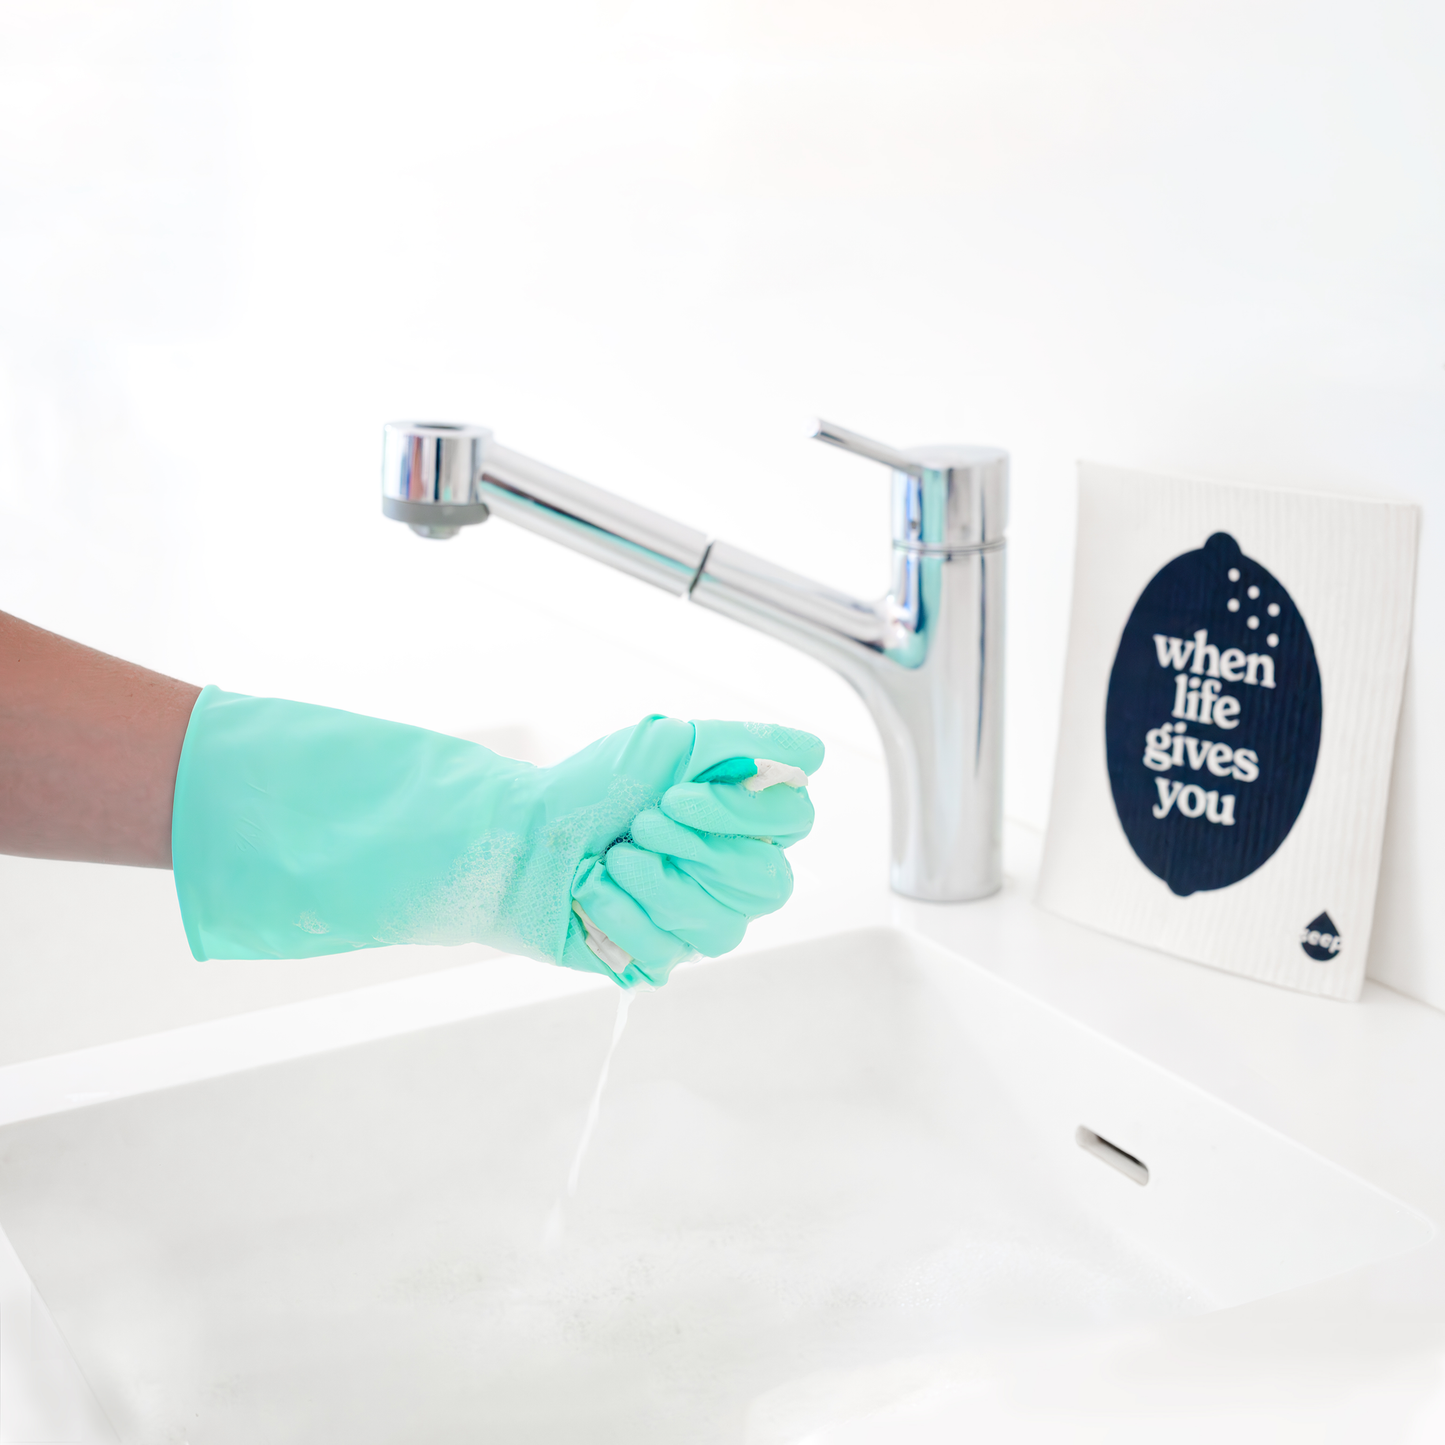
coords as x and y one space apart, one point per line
296 830
88 751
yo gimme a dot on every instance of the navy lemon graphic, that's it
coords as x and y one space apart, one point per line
1212 725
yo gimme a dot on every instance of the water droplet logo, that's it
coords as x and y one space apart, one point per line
1321 939
1212 725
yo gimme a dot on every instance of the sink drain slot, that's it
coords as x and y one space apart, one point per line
1112 1154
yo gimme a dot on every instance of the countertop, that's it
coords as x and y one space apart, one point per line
1357 1358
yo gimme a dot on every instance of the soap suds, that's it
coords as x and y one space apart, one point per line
513 892
719 1263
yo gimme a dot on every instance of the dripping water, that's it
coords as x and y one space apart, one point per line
556 1220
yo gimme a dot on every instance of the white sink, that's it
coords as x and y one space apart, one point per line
807 1162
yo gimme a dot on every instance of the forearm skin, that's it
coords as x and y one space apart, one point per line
88 751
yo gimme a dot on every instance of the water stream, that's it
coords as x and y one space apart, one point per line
557 1218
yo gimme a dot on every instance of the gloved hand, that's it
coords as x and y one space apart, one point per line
301 830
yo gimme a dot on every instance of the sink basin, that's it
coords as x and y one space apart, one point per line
806 1162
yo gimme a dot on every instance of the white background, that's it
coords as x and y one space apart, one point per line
645 242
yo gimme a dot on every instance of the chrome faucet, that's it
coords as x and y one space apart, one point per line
927 658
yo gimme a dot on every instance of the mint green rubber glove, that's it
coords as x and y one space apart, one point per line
299 831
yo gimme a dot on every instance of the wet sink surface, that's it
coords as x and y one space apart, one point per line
806 1162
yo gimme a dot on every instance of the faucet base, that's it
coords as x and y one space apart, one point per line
924 895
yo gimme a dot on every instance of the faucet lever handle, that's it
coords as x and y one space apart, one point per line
850 441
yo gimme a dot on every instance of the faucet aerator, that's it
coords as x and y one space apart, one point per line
429 476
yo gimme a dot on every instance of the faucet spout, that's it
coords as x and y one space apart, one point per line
598 523
927 659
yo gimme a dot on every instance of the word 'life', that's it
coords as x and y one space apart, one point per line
1199 688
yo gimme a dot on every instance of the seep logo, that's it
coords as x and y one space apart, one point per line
1212 724
1320 939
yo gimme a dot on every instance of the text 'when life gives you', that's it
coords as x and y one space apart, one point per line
1213 718
1199 697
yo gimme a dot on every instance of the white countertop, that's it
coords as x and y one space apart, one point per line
1357 1358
